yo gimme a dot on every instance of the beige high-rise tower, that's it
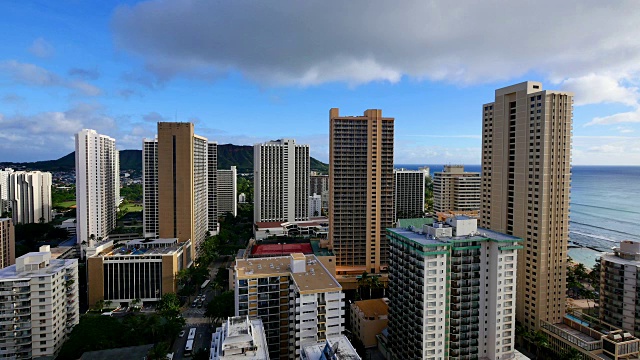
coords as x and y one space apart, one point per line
526 175
182 184
361 190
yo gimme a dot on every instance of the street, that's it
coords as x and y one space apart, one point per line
194 317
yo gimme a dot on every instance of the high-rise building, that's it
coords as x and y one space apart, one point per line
620 287
30 197
151 228
97 186
281 181
315 205
452 290
143 269
297 298
408 193
240 337
361 195
38 304
212 154
526 176
226 191
319 184
4 189
7 243
183 193
456 190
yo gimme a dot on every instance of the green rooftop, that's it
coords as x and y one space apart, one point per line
416 223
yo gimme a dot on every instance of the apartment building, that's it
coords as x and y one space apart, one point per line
7 243
452 290
281 181
408 193
315 206
97 186
620 287
333 348
361 195
319 184
38 304
212 177
368 319
592 338
4 189
150 226
526 178
29 196
240 337
143 269
297 298
227 191
456 190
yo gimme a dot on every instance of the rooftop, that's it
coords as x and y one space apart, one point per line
55 265
417 222
417 236
373 307
131 352
242 338
315 278
338 346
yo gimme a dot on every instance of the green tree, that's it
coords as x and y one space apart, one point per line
571 354
159 351
221 307
99 305
169 305
364 282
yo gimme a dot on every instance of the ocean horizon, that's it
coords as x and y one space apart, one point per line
604 207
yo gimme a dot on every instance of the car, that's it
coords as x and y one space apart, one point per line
194 304
181 334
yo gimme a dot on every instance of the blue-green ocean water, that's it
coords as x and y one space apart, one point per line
605 207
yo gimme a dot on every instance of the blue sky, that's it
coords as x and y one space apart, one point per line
247 71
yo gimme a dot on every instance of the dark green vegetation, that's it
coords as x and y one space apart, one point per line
132 193
245 186
582 283
29 237
221 307
229 155
428 193
370 287
96 332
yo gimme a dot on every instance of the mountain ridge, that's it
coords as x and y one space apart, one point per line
228 155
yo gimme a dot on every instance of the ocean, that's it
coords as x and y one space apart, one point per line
604 209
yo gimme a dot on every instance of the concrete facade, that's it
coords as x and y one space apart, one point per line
239 338
29 196
361 195
212 155
4 189
408 193
7 243
456 190
526 179
39 304
97 186
227 190
281 181
368 319
620 287
452 290
150 225
297 298
141 269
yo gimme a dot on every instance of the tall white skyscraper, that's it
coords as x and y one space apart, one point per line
281 181
30 196
4 189
212 178
150 225
97 186
226 191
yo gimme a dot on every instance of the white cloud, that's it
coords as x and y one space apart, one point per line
595 89
33 75
625 117
606 150
313 42
624 130
41 48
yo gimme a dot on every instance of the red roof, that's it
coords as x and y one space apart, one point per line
277 249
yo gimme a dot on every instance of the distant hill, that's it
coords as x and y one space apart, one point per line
228 155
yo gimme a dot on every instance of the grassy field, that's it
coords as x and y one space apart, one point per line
131 207
66 204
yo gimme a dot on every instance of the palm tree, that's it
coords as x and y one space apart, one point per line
541 342
374 283
362 282
571 354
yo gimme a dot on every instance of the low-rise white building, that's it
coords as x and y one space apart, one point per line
334 348
239 338
38 305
